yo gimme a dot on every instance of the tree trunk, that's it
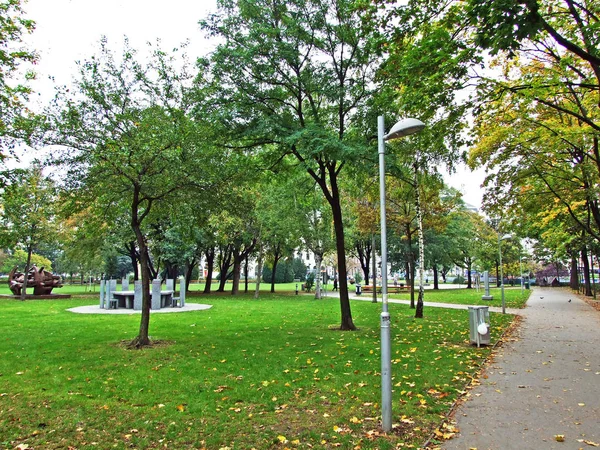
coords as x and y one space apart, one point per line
332 195
276 258
259 269
189 269
364 251
318 260
224 265
238 257
133 256
419 310
346 322
237 270
374 263
210 266
246 275
574 279
410 265
27 267
142 338
469 279
436 284
586 272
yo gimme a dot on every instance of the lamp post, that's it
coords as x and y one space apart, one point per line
521 270
402 128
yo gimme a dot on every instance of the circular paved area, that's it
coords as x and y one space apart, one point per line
95 309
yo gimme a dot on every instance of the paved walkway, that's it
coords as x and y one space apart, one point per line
544 383
427 304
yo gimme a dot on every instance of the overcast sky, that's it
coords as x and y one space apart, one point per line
70 30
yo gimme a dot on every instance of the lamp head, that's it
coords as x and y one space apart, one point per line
404 128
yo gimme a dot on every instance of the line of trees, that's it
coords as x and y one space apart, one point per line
268 144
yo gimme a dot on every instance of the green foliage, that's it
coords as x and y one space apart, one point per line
19 258
295 80
117 266
310 281
459 280
13 79
358 277
130 145
298 269
287 271
28 209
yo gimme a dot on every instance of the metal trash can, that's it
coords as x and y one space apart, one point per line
358 289
479 325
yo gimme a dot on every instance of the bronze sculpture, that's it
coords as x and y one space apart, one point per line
40 280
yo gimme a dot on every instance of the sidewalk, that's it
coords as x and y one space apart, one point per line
426 304
544 383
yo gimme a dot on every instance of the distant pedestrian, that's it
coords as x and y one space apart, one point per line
335 283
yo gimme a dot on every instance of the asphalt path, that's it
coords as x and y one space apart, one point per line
542 389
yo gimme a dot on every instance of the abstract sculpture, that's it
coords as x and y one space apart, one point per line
40 280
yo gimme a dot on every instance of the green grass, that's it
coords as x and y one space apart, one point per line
244 374
84 290
513 298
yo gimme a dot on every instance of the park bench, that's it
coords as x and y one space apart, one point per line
391 289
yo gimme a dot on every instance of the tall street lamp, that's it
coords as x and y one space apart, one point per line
521 270
402 128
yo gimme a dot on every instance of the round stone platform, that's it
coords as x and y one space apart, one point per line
95 309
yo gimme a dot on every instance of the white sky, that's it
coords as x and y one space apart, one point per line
70 30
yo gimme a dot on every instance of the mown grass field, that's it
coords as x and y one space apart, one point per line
244 374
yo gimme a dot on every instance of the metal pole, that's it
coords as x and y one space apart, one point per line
521 270
501 273
386 372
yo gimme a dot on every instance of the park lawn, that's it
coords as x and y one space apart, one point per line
195 288
513 297
244 374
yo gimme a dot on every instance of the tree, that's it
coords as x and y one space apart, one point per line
543 99
428 66
289 77
19 259
280 216
29 205
13 81
129 143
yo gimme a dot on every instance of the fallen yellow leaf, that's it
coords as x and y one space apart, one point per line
559 437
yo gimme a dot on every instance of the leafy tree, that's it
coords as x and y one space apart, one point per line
428 64
280 216
19 259
290 77
130 143
28 210
543 99
13 83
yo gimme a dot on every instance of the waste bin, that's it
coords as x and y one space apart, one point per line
358 289
479 325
